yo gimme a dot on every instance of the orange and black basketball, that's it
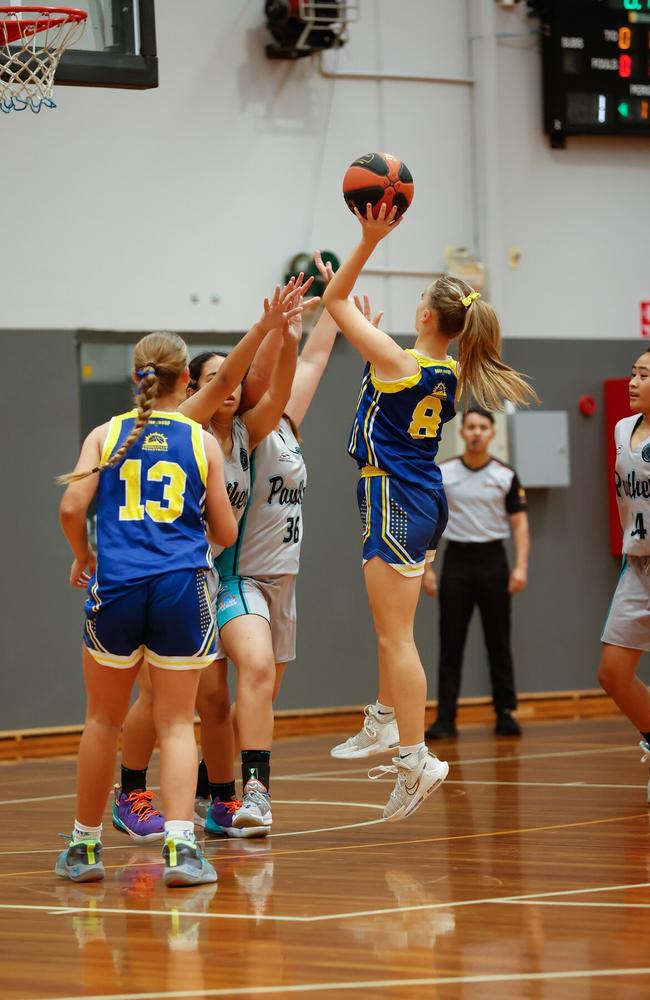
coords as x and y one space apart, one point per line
380 179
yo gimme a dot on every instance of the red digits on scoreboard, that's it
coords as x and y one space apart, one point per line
625 66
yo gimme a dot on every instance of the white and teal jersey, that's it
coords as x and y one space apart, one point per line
270 531
632 484
237 473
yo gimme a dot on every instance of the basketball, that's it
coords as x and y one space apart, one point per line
380 179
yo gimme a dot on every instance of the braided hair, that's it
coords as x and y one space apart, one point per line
159 358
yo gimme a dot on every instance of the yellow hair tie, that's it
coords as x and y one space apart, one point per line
467 301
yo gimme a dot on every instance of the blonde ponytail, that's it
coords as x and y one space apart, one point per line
462 313
160 359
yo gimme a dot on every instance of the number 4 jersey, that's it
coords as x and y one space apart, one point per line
150 506
270 530
632 483
398 424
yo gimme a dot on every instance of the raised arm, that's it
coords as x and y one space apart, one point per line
266 415
389 360
221 523
259 375
202 405
314 356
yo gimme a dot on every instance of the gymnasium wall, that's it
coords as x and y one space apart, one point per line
556 622
128 204
125 207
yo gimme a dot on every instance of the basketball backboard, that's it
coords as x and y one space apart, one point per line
117 49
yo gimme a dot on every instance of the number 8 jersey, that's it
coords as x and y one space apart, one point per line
632 484
150 506
398 424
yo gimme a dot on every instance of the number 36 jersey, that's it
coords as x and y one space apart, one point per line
632 484
270 531
150 506
398 424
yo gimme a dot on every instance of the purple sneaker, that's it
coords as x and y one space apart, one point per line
219 818
135 815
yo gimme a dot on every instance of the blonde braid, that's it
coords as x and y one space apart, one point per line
157 377
145 404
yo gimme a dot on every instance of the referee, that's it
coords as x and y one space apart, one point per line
485 500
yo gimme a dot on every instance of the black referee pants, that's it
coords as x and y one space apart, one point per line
474 573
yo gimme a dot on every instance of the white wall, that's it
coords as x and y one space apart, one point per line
120 206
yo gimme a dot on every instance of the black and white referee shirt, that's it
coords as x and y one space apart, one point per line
481 500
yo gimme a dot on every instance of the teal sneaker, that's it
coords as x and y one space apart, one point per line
185 864
81 861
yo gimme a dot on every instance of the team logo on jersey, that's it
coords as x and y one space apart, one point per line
243 459
155 441
440 391
227 601
645 454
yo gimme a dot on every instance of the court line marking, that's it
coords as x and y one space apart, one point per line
289 833
247 991
324 775
398 843
53 909
577 902
514 784
472 760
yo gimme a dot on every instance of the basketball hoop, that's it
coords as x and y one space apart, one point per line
30 49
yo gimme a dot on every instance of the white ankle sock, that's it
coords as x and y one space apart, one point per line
411 755
179 829
382 711
81 832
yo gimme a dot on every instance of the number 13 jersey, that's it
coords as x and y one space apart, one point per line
270 531
150 506
632 484
398 424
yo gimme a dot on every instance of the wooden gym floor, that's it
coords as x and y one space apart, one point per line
526 875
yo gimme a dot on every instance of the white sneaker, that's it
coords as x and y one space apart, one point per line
646 755
201 810
374 738
413 784
253 818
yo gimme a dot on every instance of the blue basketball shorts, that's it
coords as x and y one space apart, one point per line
167 619
402 524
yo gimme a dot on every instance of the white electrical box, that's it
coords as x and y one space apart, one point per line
539 447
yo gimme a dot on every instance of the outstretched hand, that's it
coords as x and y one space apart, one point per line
374 230
326 270
366 310
285 303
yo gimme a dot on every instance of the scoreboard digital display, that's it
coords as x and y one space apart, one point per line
596 64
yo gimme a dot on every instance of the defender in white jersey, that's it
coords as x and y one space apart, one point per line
626 634
238 436
256 608
214 406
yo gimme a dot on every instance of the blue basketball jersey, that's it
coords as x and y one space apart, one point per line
398 424
150 506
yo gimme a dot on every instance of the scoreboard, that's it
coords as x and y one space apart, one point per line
596 66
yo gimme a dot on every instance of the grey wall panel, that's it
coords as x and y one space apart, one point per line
41 615
556 621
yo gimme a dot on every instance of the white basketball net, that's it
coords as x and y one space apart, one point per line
32 41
